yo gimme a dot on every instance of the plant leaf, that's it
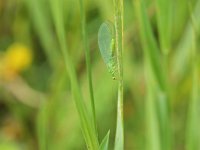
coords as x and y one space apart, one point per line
164 17
105 142
87 128
151 50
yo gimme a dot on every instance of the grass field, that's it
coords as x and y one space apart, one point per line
99 74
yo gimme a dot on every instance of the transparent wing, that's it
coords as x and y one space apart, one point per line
106 43
105 40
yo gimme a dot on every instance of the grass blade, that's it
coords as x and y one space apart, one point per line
153 134
150 47
42 126
87 128
105 142
43 29
164 17
88 62
180 58
192 135
119 137
158 75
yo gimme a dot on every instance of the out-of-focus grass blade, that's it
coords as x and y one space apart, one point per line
149 44
153 134
164 18
153 138
152 70
192 135
180 59
162 110
105 142
87 128
43 29
157 85
88 63
42 126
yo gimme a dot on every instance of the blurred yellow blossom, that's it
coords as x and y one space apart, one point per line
17 58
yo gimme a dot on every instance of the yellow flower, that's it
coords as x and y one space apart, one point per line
17 58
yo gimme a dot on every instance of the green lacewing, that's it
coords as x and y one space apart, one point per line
106 41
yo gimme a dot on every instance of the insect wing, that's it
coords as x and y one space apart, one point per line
105 40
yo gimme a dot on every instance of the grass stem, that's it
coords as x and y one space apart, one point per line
87 128
119 138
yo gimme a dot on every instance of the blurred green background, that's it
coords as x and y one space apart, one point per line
35 95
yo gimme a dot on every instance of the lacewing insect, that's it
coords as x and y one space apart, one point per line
106 41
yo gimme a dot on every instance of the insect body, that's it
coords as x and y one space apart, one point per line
106 41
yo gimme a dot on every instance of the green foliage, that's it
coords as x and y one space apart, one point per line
105 142
66 99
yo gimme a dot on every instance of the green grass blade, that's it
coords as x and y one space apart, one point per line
162 110
193 114
149 44
180 59
153 135
164 19
42 126
43 29
158 78
192 135
105 142
88 62
119 137
164 23
87 128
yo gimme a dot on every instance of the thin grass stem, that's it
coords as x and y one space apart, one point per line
88 62
119 137
87 128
